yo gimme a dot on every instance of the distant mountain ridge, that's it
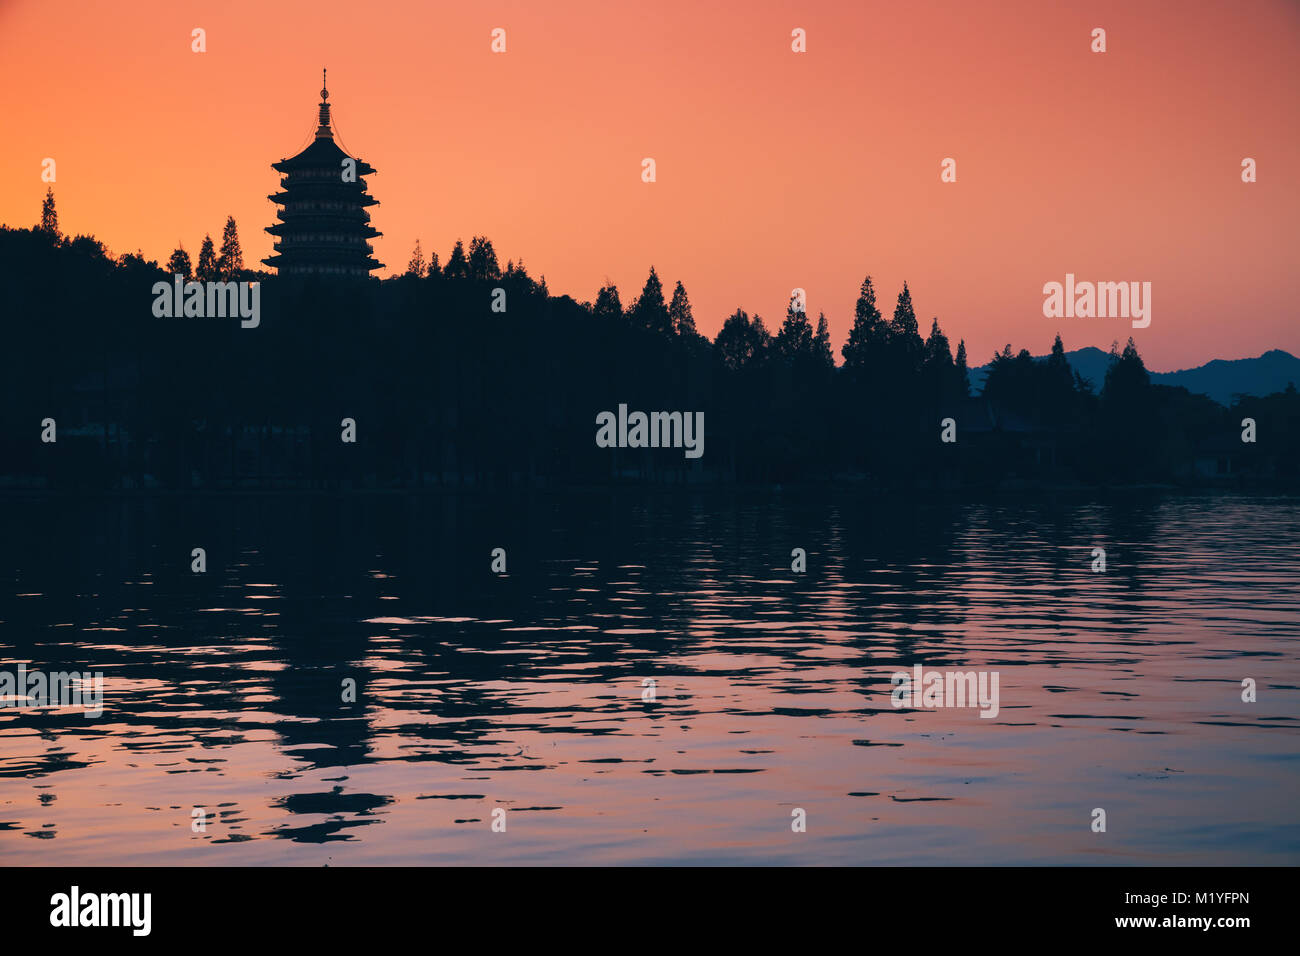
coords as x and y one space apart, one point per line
1220 379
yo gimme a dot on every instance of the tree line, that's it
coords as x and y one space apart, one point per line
446 390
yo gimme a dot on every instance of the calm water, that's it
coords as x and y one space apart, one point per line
1119 690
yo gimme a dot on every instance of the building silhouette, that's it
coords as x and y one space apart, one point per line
323 224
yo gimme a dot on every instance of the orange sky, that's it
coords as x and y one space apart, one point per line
775 169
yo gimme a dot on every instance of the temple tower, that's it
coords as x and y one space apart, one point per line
323 225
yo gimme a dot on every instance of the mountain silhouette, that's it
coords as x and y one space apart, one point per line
1220 379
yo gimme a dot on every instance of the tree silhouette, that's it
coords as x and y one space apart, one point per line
1127 431
206 270
417 266
963 373
483 259
778 409
179 264
649 311
866 333
49 215
939 380
517 271
435 268
904 323
742 342
905 345
680 315
822 345
1127 381
794 341
1058 392
457 266
231 261
937 353
608 305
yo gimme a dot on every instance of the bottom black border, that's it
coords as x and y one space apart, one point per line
979 906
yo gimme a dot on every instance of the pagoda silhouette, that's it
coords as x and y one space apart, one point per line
324 227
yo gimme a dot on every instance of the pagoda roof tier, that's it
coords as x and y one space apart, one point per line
291 260
328 193
287 244
353 221
352 215
323 153
295 228
283 262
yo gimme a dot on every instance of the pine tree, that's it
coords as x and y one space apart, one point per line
608 305
680 315
866 331
483 259
206 270
1058 392
49 215
179 264
762 339
435 268
231 261
1057 360
963 373
417 266
795 339
1126 378
741 342
457 265
938 353
649 311
822 345
904 324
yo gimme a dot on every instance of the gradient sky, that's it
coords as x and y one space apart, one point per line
775 169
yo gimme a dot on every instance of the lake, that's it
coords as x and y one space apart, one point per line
529 691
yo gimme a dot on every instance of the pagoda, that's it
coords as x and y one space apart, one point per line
324 226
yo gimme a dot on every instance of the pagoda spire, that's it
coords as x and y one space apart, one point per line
323 130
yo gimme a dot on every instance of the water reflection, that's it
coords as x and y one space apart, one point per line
228 690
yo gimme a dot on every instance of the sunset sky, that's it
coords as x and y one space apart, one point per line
775 169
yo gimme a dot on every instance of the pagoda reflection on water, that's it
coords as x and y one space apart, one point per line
324 227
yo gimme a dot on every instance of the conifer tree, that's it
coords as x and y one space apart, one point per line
179 264
866 331
49 215
483 259
649 311
457 265
741 342
230 263
608 305
906 348
417 266
963 373
938 353
822 345
795 339
679 313
904 324
206 270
